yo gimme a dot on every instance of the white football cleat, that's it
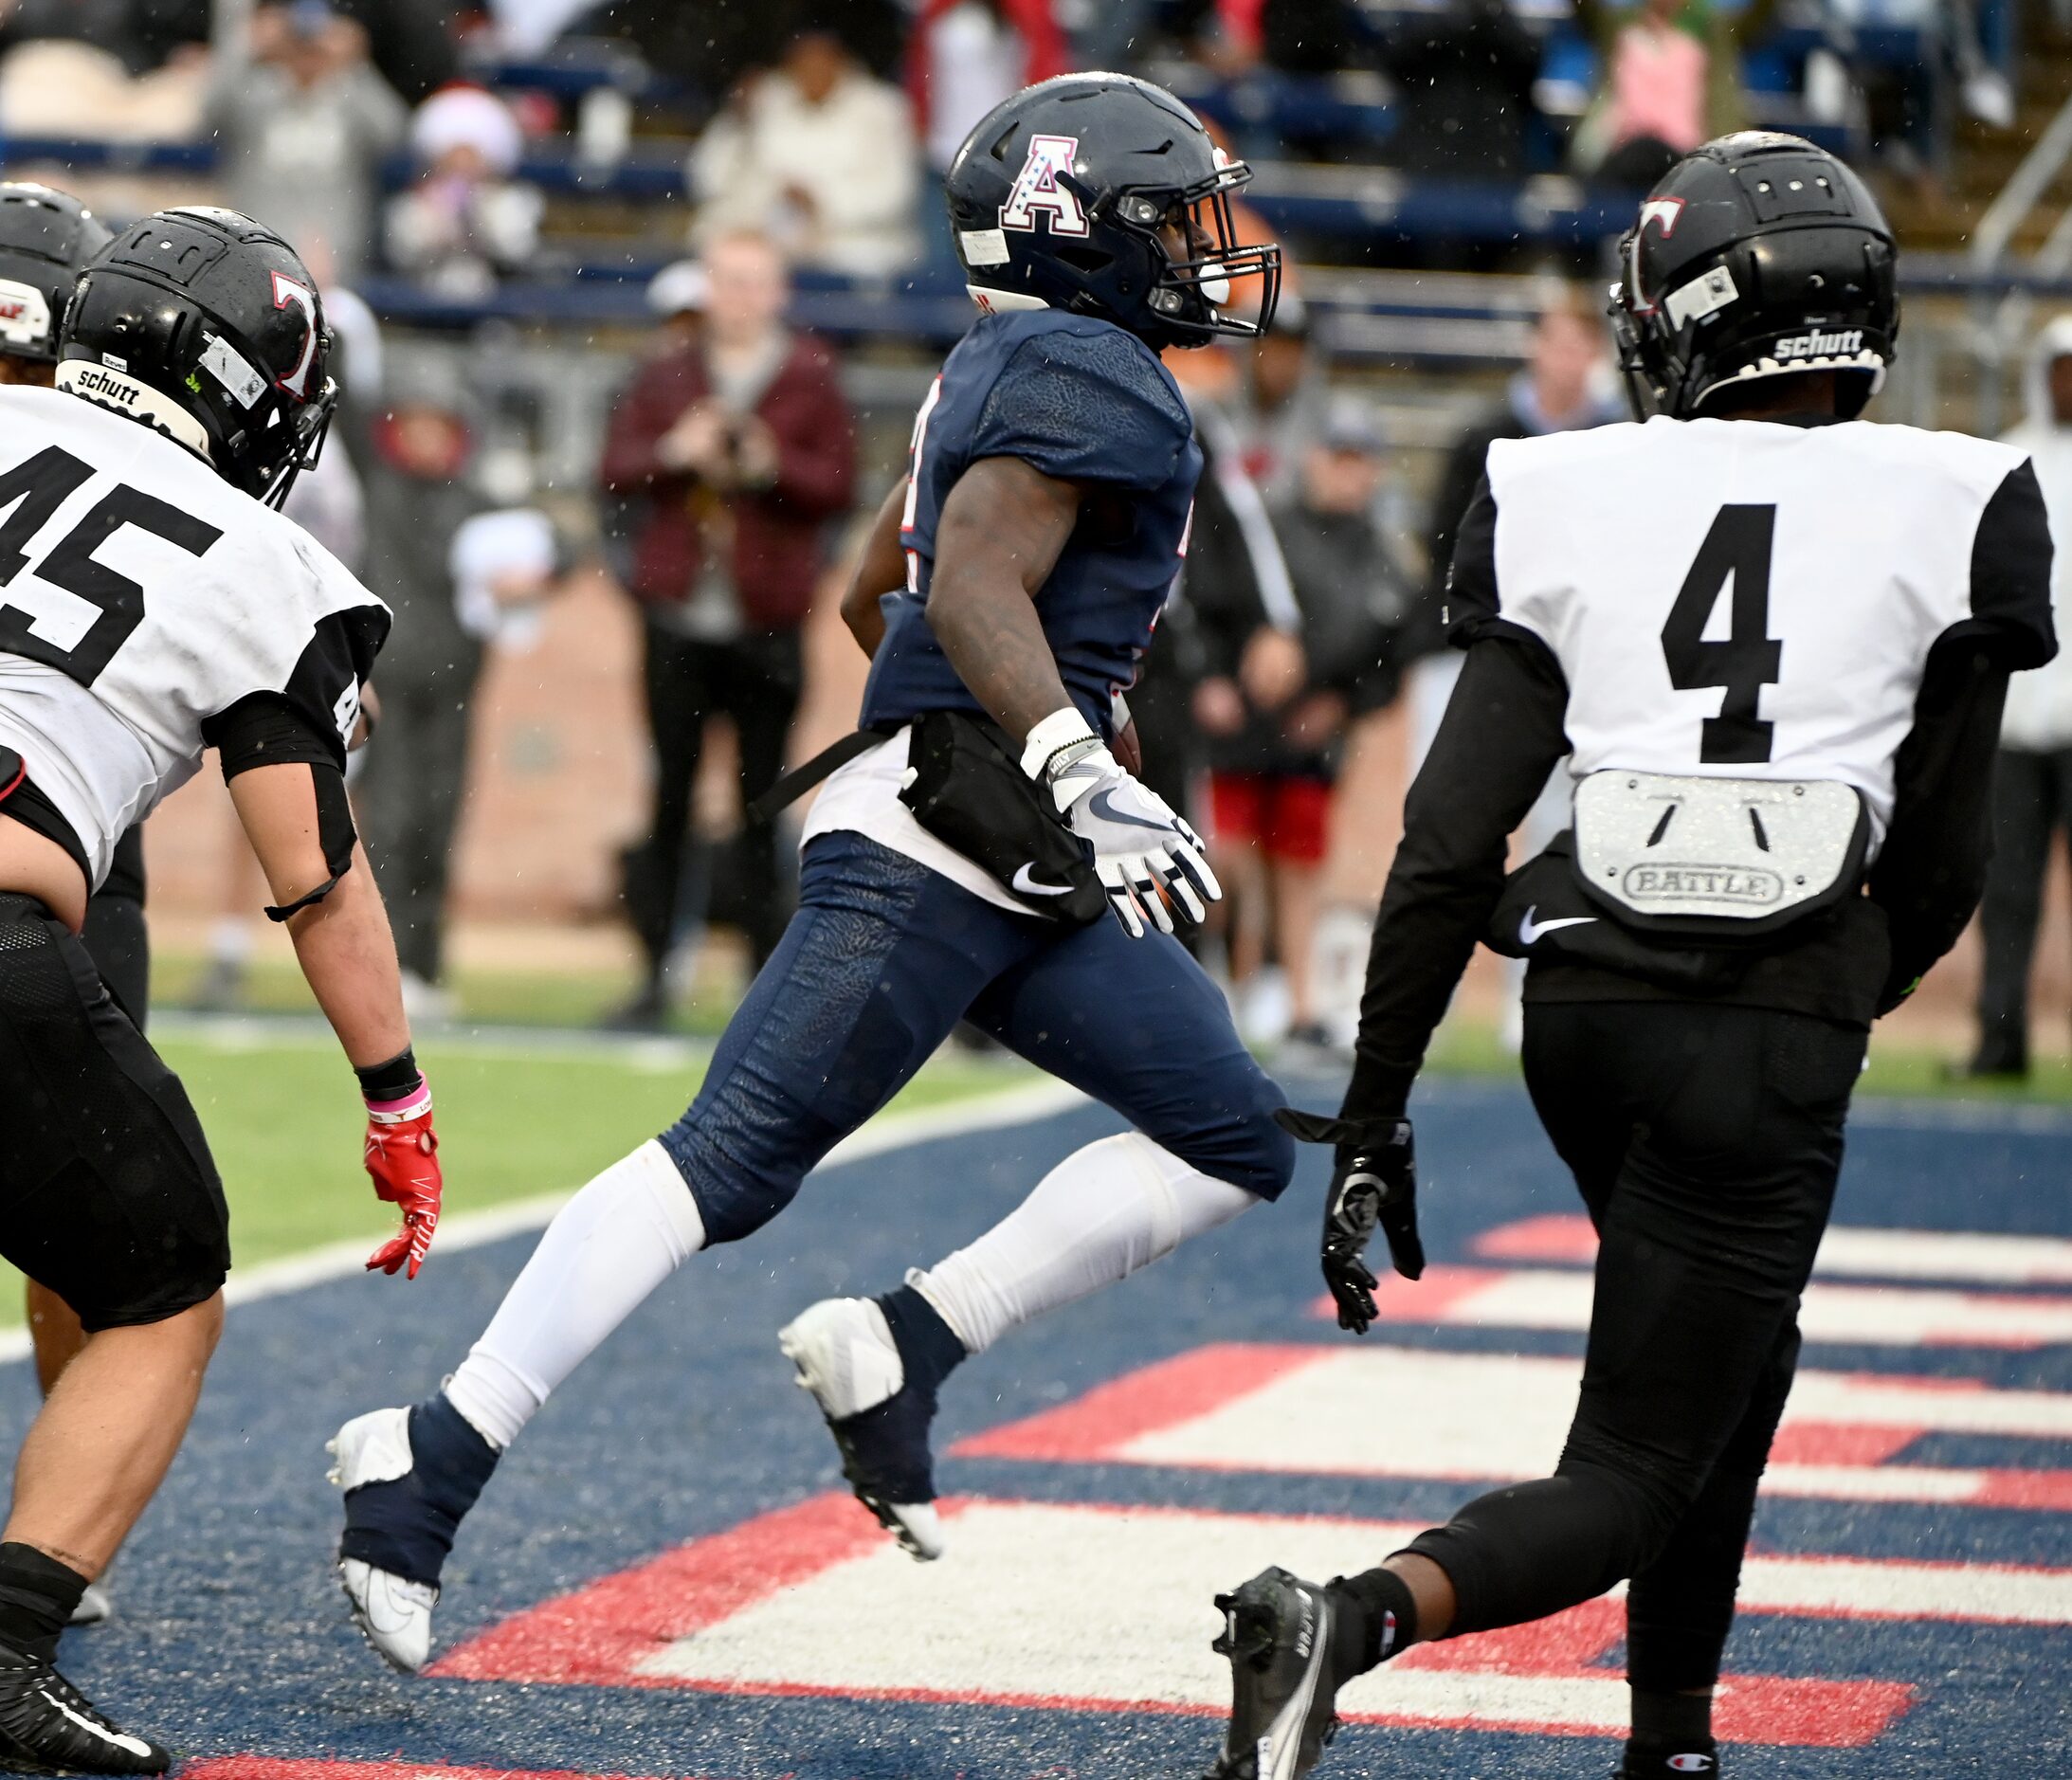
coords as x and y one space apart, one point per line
845 1356
392 1612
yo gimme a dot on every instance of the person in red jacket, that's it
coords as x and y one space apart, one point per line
732 450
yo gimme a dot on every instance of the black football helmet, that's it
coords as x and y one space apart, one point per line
1059 196
205 326
46 237
1755 256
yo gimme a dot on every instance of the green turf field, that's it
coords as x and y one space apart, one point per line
284 1116
537 1115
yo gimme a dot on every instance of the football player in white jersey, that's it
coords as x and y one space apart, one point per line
153 604
1776 639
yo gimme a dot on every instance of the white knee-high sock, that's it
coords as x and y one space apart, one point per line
610 1246
1098 1216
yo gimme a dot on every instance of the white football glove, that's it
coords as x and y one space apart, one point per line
1140 847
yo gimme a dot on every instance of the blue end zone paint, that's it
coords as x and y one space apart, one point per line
230 1636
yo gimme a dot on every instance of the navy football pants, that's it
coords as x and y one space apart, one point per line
883 959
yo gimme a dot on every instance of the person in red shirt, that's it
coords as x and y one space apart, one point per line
730 449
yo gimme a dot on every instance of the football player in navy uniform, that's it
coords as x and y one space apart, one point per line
981 853
156 605
1781 679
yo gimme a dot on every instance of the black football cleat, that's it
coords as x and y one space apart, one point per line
1656 1761
48 1726
1291 1645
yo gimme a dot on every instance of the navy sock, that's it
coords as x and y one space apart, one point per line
1390 1610
37 1596
929 1349
406 1525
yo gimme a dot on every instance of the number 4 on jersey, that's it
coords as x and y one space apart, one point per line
1739 546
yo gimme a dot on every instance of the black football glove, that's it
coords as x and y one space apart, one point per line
1374 1181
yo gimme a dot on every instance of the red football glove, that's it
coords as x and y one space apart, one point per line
403 1157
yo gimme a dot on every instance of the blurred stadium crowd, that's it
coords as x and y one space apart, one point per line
636 299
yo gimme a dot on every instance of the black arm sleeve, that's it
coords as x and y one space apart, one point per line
1932 871
1500 737
2011 575
266 729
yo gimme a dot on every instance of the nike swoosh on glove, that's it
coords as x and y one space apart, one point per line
1141 844
402 1155
1373 1183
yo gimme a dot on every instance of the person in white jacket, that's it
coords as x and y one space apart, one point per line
818 154
2032 776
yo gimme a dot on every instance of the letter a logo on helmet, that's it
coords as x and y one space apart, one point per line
286 291
1037 188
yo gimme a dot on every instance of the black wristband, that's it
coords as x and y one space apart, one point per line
392 1079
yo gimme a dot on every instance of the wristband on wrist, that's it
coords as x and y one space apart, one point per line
1057 734
394 1090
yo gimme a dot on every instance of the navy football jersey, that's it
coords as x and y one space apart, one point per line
1080 400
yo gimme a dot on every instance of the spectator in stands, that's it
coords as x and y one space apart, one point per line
966 56
1567 382
1671 79
466 223
2032 777
303 125
1465 71
129 70
818 154
420 508
737 444
1354 596
1278 407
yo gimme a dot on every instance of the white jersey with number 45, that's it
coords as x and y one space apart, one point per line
1750 599
141 596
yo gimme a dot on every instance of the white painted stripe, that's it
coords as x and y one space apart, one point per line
1022 1104
1975 1256
1501 1417
1527 1297
1109 1604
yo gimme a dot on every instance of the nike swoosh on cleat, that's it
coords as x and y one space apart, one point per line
135 1745
1530 930
1027 884
1286 1749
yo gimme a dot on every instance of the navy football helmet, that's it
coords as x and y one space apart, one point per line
1059 198
1755 256
205 326
46 237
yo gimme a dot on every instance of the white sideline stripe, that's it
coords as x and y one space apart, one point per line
1021 1105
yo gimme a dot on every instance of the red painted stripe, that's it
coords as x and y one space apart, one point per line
2024 1489
1099 1424
1564 1236
1840 1443
1572 1642
599 1633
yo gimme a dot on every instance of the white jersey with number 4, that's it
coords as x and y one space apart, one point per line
1752 599
141 597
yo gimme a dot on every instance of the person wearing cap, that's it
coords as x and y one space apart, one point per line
2032 773
304 120
1272 792
729 452
467 222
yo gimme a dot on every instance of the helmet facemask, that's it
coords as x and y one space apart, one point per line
1191 296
